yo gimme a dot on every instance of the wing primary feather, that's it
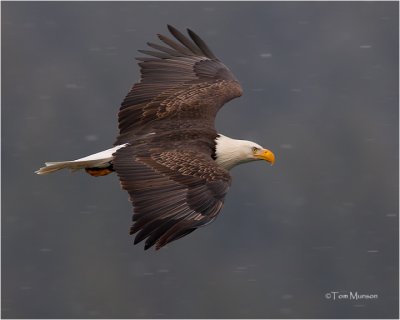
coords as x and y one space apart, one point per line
202 45
150 228
175 45
157 233
184 40
178 228
156 54
145 59
164 49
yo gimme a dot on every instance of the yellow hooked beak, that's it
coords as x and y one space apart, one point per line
266 155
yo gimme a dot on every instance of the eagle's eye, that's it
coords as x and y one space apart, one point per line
255 149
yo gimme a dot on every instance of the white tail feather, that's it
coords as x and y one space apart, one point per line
98 160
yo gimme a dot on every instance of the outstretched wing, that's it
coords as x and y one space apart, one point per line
181 83
168 121
172 192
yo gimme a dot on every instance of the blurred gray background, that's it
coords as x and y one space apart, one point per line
321 91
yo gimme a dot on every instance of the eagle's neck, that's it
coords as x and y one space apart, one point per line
231 152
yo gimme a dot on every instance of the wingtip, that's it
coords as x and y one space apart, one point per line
162 37
171 28
136 241
191 33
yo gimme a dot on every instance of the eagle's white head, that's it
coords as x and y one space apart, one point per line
231 152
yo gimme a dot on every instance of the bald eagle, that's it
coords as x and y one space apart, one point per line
168 155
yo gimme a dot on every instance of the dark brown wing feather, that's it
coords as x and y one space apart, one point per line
173 192
184 78
168 120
